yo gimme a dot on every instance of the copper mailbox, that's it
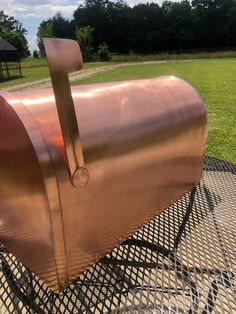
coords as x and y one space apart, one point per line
80 174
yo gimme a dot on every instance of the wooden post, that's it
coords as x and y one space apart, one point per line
1 71
8 75
20 67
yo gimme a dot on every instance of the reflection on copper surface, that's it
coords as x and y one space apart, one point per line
142 143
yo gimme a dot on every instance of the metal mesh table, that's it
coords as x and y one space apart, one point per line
183 261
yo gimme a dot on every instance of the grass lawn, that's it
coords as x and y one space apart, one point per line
215 80
37 69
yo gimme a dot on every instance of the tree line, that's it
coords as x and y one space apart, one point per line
149 28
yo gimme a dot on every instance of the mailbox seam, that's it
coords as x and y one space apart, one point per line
61 278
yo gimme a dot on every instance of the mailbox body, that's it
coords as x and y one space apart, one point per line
143 144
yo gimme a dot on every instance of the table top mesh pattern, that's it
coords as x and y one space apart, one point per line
183 261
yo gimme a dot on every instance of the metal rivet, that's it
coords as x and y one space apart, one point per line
80 177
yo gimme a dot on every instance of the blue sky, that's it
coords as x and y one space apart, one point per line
30 13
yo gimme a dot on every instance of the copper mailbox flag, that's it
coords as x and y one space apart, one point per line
82 168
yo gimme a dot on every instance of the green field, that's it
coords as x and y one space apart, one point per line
37 69
215 80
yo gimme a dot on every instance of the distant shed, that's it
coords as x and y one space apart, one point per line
9 60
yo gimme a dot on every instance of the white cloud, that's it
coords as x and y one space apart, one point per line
32 12
30 2
39 8
32 41
47 8
134 2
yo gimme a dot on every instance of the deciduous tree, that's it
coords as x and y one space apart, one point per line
84 36
13 31
57 26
